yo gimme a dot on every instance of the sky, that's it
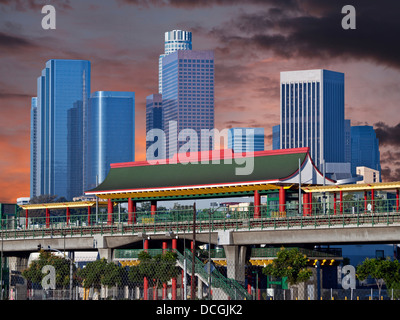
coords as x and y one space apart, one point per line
253 41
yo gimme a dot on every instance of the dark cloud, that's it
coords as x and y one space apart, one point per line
387 135
25 5
13 42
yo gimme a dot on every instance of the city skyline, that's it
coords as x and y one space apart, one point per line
253 43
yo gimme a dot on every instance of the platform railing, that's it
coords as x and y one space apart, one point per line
317 214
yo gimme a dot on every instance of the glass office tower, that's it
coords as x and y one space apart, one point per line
364 148
62 84
188 97
154 120
312 114
110 133
174 40
246 139
276 137
33 138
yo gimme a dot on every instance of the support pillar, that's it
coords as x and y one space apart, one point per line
26 218
365 202
110 212
341 201
282 201
174 246
131 211
145 281
153 208
334 203
68 216
47 218
257 203
89 212
397 200
306 204
164 290
235 262
372 200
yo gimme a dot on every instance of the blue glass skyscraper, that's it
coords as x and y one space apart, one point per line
364 148
110 133
62 84
188 96
246 139
312 114
154 120
33 172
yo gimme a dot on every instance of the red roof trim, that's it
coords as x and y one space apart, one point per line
221 154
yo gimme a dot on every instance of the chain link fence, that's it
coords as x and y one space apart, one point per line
155 275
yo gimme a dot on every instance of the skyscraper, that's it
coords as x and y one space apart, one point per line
312 114
188 98
33 172
154 120
174 40
110 133
246 139
364 148
62 84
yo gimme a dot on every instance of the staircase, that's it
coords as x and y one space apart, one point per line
231 287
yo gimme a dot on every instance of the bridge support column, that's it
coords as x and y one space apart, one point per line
282 200
235 262
110 212
257 203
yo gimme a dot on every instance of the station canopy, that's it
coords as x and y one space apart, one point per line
218 173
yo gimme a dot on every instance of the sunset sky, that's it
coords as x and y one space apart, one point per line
253 42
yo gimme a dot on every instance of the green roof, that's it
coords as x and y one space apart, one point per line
268 166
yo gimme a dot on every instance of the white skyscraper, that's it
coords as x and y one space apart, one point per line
174 40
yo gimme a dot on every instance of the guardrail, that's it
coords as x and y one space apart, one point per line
321 215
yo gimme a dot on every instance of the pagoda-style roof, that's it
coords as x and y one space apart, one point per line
210 173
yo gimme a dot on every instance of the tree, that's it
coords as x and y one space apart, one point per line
62 266
291 264
158 269
382 270
101 272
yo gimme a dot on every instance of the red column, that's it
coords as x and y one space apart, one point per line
89 212
131 211
372 200
47 218
365 202
110 212
164 291
306 206
397 200
68 216
341 201
26 218
282 200
153 208
334 203
257 208
174 246
145 281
